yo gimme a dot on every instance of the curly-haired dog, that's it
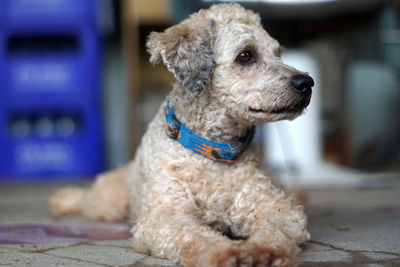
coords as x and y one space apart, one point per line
196 188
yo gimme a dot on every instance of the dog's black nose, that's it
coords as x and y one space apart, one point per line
302 84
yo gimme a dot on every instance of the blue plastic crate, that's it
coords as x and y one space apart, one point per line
48 13
50 96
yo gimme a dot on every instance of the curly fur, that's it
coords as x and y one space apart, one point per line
187 208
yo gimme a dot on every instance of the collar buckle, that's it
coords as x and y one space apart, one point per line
173 127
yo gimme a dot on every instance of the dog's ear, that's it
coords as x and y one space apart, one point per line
186 50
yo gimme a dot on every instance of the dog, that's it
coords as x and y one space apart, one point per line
196 189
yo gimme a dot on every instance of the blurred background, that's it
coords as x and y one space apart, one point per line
77 90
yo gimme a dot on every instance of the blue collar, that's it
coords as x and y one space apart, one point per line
216 151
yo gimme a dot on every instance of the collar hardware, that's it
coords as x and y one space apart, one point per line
173 127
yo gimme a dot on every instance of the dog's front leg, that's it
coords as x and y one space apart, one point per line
273 225
170 226
168 233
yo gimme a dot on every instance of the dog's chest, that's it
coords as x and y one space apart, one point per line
212 187
213 193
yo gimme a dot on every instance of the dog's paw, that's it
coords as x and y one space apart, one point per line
242 254
264 255
67 201
234 254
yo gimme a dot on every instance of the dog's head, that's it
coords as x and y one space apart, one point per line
224 53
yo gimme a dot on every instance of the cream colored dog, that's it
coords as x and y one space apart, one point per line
196 189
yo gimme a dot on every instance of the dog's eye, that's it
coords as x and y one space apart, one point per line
245 57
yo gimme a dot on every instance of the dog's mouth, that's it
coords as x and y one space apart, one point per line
298 108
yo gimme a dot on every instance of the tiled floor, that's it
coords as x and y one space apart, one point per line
349 227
